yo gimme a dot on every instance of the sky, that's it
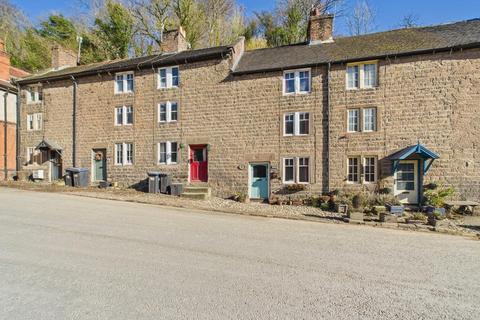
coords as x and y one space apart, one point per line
389 13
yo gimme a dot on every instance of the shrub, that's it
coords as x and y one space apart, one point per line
419 216
295 187
240 197
438 215
325 206
385 191
436 197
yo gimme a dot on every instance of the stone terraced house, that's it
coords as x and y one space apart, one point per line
394 109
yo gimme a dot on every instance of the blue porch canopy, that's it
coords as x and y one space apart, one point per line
416 150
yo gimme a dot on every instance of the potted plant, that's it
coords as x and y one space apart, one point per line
435 197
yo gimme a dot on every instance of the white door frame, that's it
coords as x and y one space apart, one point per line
412 197
250 170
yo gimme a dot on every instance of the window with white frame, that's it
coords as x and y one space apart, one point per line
289 124
124 82
369 75
168 77
353 174
34 122
168 152
30 154
362 76
296 170
353 124
303 170
296 82
369 169
34 94
369 119
168 112
364 120
123 115
124 154
289 170
297 124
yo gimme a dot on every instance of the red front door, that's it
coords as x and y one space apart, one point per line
198 163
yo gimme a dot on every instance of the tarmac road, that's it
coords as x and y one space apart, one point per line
69 257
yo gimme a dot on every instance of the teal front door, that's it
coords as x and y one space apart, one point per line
259 188
99 165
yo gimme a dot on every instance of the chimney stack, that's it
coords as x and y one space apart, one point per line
174 41
63 58
4 63
320 27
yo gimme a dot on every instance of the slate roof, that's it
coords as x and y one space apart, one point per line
371 46
464 34
129 64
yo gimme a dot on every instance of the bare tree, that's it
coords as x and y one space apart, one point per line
409 21
362 19
305 6
152 17
216 13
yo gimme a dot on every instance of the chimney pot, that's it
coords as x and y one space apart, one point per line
320 27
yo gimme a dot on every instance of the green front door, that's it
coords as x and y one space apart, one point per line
99 165
259 183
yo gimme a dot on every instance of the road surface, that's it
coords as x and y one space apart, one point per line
69 257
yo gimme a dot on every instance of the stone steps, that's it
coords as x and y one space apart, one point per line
197 192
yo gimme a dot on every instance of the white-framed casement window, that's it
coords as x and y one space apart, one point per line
362 120
30 155
296 170
296 124
353 121
359 167
168 152
362 75
124 116
124 154
124 82
297 82
369 119
168 77
289 170
34 121
168 112
34 94
369 169
353 170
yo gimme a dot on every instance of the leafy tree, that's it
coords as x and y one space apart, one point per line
288 23
115 30
60 30
191 18
35 54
